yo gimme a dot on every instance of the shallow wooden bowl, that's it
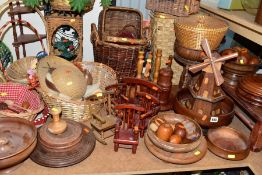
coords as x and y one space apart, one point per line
223 119
189 54
193 137
17 141
228 143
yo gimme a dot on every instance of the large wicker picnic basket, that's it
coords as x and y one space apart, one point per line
174 7
118 39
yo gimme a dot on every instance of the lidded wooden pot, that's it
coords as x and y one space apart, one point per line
63 142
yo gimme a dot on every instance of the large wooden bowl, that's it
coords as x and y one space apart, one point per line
224 119
194 133
17 141
234 71
228 143
189 54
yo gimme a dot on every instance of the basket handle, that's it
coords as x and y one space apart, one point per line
23 22
94 37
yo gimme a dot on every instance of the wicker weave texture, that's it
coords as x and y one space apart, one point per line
54 22
192 30
121 57
81 110
163 38
64 5
174 7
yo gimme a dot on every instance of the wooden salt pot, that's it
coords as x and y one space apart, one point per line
165 81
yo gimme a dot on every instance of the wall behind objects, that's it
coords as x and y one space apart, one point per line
33 48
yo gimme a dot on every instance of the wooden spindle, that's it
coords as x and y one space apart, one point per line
140 63
148 66
157 64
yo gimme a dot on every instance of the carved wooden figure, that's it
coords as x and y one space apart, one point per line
165 81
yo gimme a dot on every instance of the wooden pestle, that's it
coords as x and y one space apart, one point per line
57 126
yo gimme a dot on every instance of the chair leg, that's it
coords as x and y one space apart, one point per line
116 145
142 132
134 147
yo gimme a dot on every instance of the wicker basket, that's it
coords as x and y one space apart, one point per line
107 46
81 110
18 94
174 7
17 72
64 5
190 31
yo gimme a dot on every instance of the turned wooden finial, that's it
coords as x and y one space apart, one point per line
57 126
169 61
157 64
148 66
140 63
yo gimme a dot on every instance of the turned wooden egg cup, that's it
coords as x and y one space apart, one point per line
193 136
57 126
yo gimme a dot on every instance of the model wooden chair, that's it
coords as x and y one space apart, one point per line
127 125
152 107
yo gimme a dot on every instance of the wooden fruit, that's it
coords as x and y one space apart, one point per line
180 131
242 60
175 139
253 60
164 131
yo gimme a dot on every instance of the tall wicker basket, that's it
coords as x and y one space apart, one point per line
174 7
163 37
118 52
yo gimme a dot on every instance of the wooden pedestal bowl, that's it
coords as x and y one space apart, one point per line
234 71
209 121
189 54
17 141
249 89
228 143
193 133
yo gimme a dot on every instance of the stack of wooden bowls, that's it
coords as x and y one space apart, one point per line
249 89
17 141
175 138
63 142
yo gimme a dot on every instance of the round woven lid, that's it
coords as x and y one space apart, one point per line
202 22
67 75
69 81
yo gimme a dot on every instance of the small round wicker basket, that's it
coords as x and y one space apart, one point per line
64 5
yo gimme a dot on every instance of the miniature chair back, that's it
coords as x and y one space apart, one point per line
127 125
152 107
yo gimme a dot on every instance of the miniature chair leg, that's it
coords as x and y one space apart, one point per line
134 147
116 145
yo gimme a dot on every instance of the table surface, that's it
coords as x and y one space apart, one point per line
239 21
105 161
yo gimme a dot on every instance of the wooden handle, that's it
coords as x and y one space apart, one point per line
140 63
157 64
57 126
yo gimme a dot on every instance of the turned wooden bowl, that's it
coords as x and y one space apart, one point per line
234 71
209 121
17 141
193 135
228 143
189 54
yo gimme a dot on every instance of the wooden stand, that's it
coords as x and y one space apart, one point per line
55 21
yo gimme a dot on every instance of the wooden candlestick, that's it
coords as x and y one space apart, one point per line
148 66
140 63
57 126
165 81
157 64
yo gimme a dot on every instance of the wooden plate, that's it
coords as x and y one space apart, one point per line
65 157
178 158
228 143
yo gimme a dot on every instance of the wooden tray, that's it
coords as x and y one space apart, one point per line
178 158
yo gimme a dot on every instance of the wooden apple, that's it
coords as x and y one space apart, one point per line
175 139
164 131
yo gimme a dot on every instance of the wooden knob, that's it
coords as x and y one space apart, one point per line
57 126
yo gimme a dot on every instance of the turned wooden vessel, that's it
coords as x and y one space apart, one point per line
183 105
249 89
189 54
63 144
165 81
228 143
17 141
